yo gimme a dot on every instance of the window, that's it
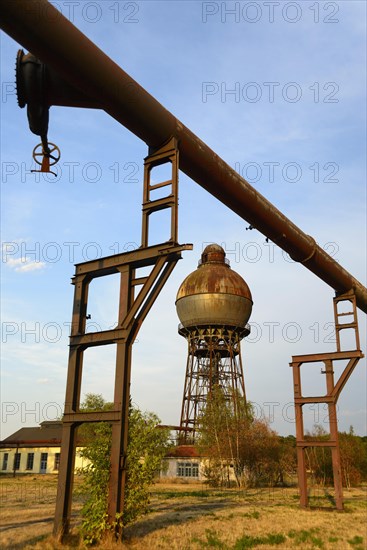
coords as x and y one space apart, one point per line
187 469
43 463
16 464
57 461
5 461
30 460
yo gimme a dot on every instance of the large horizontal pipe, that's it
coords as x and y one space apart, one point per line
40 28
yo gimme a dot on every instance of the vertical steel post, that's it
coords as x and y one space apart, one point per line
301 459
72 401
121 402
335 450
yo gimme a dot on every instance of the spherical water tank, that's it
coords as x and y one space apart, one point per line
214 294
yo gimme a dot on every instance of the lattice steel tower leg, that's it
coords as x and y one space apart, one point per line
214 361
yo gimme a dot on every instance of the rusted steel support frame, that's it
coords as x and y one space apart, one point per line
40 28
186 400
167 154
333 423
339 326
301 459
132 312
141 257
72 402
332 393
85 417
334 355
331 397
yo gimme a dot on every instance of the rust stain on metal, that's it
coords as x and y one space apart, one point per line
214 276
213 304
214 294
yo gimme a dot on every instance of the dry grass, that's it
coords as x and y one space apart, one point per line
193 517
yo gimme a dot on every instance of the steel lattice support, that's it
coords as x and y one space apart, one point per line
333 391
137 295
214 360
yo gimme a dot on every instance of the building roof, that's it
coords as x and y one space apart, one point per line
48 433
184 451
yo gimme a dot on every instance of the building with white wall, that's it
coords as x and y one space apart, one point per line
34 450
183 462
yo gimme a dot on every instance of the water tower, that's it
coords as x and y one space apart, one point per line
213 304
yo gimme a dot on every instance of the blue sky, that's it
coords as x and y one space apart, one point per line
278 91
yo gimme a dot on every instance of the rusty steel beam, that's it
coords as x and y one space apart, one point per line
44 31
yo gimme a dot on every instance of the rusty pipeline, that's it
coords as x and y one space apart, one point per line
44 31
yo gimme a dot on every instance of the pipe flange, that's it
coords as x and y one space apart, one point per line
19 80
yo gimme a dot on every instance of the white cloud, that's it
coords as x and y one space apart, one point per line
24 265
31 266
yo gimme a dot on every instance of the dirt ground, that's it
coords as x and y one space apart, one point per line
193 517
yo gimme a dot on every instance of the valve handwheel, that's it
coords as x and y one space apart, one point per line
53 153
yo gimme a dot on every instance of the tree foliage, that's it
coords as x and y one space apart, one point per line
287 460
318 459
353 458
233 439
146 447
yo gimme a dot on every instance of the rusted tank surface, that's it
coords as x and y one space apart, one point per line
214 294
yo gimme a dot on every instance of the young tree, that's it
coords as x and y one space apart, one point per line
147 445
353 457
287 461
260 451
318 459
96 441
219 425
231 437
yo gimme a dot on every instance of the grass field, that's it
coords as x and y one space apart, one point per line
192 516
